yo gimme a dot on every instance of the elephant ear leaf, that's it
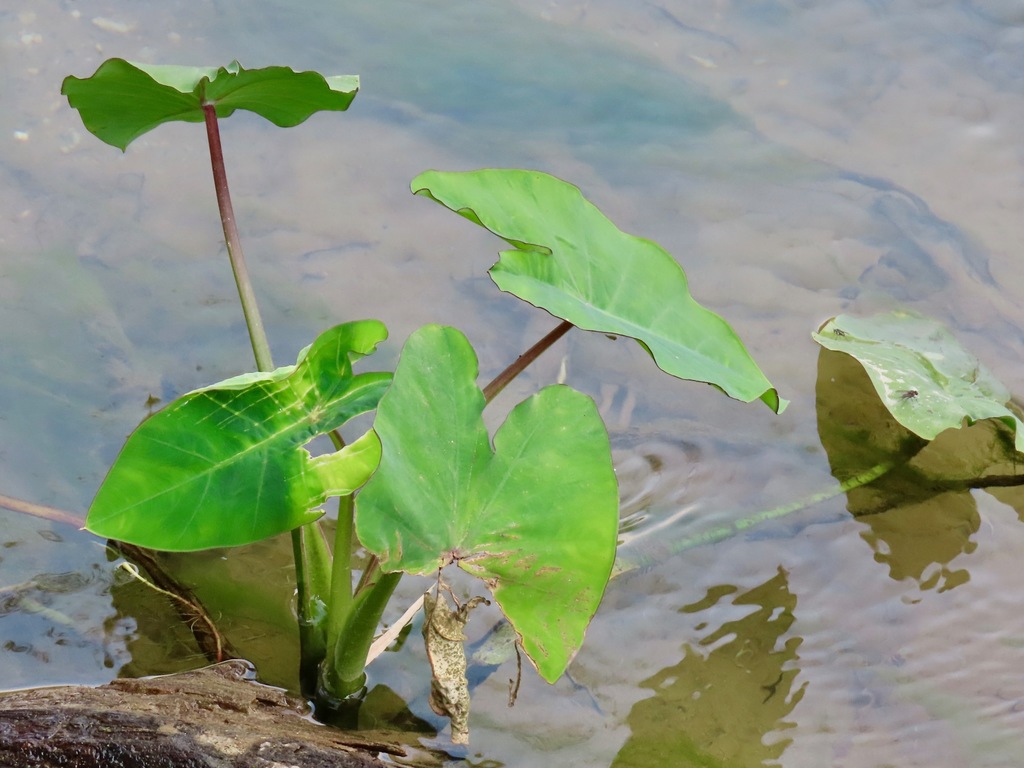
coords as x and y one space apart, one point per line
575 263
123 100
225 465
535 517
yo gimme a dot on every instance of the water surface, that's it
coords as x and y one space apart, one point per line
799 161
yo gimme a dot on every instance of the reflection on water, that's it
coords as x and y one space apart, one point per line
801 160
921 514
725 701
918 541
54 621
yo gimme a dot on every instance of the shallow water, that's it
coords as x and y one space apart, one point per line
800 162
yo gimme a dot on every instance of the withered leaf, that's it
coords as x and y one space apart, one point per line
444 638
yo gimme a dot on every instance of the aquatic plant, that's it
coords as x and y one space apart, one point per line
427 486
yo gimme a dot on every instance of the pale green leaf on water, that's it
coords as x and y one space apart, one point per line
923 376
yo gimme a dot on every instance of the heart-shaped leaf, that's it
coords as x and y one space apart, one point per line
576 264
124 100
927 381
536 517
224 465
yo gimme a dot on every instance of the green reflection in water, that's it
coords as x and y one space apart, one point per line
719 707
160 643
249 592
920 516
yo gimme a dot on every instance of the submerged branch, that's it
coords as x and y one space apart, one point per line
632 556
211 642
41 510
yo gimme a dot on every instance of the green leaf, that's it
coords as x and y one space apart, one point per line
536 517
572 261
343 472
124 100
224 465
927 381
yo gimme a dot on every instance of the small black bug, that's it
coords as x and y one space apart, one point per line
908 394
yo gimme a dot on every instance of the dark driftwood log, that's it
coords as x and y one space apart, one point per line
215 717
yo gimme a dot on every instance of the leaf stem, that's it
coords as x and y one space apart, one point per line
342 672
309 548
40 510
502 379
312 584
257 333
370 573
341 572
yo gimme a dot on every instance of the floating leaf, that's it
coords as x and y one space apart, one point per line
919 514
224 465
927 381
536 517
124 100
572 261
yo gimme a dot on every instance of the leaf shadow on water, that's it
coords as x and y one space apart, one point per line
730 692
920 516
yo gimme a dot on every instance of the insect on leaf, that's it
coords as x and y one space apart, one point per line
922 374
